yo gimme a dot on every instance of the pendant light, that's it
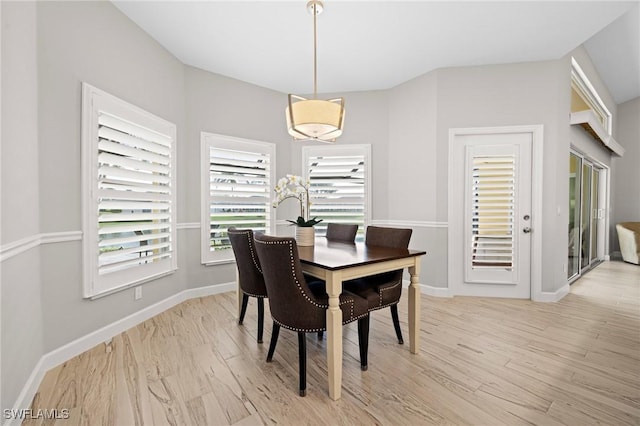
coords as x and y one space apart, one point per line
315 119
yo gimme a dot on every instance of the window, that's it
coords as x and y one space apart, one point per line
339 179
128 158
584 97
237 176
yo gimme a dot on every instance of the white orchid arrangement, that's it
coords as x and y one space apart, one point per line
292 186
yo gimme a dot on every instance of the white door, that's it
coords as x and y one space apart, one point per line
490 214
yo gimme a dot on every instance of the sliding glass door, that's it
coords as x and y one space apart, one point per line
585 214
596 217
575 173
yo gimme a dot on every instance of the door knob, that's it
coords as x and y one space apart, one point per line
526 230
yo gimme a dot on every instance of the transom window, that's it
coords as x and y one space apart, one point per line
584 97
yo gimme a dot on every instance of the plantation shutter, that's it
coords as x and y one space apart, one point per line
129 222
492 212
339 185
237 191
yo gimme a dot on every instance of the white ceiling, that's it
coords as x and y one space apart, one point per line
370 45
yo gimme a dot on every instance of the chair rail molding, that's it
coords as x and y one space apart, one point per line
22 245
15 248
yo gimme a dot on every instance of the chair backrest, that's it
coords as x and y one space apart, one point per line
249 269
291 302
342 232
389 237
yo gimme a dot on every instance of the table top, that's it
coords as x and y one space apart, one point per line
334 255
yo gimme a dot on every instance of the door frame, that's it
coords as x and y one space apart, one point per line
455 246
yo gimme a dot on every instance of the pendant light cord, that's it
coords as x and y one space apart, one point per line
315 51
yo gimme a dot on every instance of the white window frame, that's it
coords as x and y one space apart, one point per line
95 104
585 89
212 140
342 150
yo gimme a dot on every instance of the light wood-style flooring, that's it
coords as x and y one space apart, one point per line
482 362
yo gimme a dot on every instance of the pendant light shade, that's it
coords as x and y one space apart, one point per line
315 119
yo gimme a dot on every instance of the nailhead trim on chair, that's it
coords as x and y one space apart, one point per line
382 290
253 256
304 293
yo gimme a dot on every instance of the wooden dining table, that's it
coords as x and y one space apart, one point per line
336 262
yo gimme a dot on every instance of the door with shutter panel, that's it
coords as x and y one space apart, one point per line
495 218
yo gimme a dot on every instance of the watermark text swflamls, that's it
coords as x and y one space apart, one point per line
31 414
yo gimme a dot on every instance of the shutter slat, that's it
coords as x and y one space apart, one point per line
119 266
133 142
116 148
107 256
128 163
135 238
133 187
134 129
133 205
115 173
119 228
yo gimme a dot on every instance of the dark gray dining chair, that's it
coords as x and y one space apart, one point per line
384 289
249 273
341 232
295 306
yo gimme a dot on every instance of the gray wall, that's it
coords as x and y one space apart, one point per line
21 310
626 169
413 172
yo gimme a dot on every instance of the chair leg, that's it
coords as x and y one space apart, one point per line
243 310
302 361
320 335
260 318
363 342
396 322
274 339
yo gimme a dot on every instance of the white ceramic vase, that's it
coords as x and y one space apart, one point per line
305 235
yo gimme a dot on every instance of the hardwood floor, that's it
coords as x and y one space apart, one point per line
482 362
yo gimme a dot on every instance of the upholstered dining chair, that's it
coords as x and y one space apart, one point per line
384 289
295 306
249 273
341 232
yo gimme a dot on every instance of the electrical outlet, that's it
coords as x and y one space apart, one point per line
137 293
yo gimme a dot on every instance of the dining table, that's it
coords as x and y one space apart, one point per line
336 262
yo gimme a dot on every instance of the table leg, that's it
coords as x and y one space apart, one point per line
334 334
414 307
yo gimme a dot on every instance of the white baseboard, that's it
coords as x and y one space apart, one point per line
435 291
430 290
548 296
104 334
